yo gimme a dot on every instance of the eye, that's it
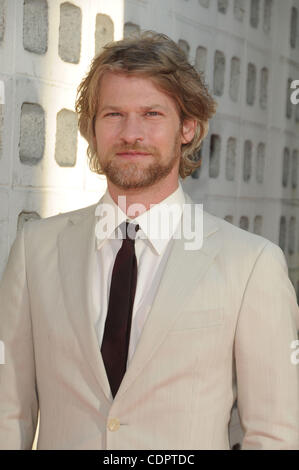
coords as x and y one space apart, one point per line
153 113
112 114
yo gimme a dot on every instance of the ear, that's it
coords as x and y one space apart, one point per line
189 129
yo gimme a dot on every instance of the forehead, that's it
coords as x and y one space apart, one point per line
121 89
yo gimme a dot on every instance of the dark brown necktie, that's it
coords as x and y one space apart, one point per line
117 330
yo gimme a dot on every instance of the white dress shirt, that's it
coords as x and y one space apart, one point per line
152 247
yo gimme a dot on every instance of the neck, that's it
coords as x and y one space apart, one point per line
143 197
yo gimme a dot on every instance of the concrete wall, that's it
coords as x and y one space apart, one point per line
249 53
45 50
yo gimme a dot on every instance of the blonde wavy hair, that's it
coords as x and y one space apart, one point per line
157 57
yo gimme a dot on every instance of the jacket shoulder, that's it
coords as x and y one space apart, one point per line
236 239
57 222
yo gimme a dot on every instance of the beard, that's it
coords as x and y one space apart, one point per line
129 174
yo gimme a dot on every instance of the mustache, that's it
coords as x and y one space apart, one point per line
134 148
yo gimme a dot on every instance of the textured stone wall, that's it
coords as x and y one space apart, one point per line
35 26
2 19
248 51
46 47
32 133
66 138
69 45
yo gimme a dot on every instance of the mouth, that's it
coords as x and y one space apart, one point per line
131 155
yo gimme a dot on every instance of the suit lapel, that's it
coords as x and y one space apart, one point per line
182 274
76 247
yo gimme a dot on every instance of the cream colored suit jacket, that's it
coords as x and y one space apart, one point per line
220 328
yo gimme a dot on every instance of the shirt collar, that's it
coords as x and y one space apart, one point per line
157 224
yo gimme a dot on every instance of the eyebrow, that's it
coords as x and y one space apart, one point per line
143 108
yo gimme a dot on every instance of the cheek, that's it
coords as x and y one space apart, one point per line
104 136
109 130
162 135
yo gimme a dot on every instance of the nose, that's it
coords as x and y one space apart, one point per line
131 130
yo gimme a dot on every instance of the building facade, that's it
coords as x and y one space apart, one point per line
248 53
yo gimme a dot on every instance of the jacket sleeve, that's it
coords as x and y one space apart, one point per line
267 378
18 394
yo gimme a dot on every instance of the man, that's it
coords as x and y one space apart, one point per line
155 360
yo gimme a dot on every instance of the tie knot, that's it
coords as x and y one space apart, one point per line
131 230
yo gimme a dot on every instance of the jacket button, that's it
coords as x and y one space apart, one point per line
113 424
